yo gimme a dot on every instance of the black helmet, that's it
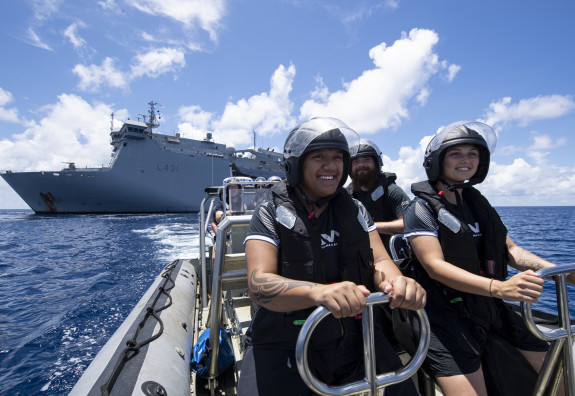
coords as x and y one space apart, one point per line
462 132
316 134
367 148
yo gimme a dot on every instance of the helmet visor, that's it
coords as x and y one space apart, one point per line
300 138
482 129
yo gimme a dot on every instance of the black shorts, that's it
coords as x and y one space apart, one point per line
457 343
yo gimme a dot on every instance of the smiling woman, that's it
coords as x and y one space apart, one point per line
313 245
462 252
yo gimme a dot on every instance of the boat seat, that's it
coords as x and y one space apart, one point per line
234 275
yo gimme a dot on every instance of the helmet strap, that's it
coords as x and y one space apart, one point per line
315 205
453 188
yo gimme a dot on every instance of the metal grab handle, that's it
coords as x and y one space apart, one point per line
372 382
561 338
566 330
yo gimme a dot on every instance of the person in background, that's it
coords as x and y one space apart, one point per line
313 245
384 200
218 207
462 252
261 191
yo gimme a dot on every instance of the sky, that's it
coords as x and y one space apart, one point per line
395 71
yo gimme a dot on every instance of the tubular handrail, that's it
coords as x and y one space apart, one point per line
203 229
372 382
217 275
561 350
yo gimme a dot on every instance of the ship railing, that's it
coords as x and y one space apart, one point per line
224 277
372 382
558 362
204 224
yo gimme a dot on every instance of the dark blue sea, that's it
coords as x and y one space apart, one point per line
67 282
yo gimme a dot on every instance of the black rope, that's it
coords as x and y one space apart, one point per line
132 345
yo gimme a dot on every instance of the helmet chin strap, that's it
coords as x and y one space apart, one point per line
314 204
453 188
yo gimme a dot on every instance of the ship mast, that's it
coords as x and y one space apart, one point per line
150 120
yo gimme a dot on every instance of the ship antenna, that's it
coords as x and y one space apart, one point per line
112 122
254 131
152 121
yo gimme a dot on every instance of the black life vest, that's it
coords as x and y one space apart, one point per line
300 249
375 200
376 207
301 259
456 238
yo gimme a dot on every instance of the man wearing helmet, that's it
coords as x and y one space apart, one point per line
313 245
384 200
462 251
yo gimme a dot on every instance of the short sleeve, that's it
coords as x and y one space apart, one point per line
398 199
419 219
263 225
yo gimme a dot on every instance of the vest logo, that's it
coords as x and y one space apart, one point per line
475 229
329 240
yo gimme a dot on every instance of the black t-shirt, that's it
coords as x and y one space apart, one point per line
264 226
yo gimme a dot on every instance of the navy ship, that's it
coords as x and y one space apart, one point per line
149 173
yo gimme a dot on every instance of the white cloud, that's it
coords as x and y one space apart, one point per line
267 113
539 150
43 9
521 181
206 13
409 165
8 115
452 71
546 142
195 122
93 77
71 33
108 4
158 61
5 97
36 41
71 130
150 64
528 110
379 98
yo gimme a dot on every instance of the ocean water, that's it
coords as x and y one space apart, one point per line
67 282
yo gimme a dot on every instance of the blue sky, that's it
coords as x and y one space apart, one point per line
395 71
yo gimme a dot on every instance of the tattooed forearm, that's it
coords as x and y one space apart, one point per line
265 288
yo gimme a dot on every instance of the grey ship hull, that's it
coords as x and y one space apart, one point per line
153 174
